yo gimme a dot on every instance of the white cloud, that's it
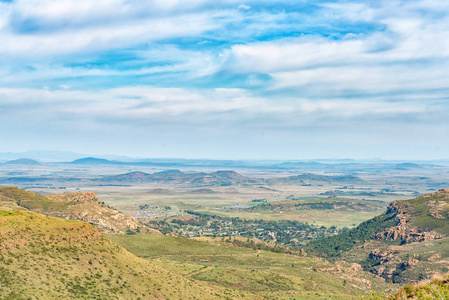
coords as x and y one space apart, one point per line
411 55
90 39
243 6
85 11
143 104
341 66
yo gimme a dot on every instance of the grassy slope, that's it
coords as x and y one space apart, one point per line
48 258
265 274
151 245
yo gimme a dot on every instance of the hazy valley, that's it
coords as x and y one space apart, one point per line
252 232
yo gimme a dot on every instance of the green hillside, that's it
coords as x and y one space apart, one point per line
406 243
266 275
48 258
337 245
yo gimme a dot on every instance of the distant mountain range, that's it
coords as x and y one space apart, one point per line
309 178
43 155
175 176
344 165
178 177
54 156
409 242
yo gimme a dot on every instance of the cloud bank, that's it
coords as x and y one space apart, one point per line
237 79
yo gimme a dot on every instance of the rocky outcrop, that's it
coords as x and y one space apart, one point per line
389 263
407 242
382 256
86 207
408 235
406 232
439 208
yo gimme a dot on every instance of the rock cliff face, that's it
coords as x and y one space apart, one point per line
407 243
408 235
439 208
422 225
408 230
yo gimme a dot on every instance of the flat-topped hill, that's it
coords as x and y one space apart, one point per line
91 161
73 206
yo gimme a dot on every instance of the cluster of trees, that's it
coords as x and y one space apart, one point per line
335 245
284 232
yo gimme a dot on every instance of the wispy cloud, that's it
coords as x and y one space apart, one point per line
147 105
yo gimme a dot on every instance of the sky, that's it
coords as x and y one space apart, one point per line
226 79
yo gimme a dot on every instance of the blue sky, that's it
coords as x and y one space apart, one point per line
226 79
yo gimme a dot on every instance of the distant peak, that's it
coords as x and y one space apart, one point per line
166 172
91 160
228 174
23 161
136 173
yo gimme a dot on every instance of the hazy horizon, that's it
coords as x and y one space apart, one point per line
61 156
